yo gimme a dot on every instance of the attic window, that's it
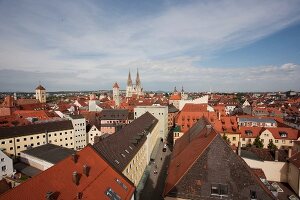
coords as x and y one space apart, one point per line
123 155
121 184
283 134
219 189
112 194
249 132
130 147
126 151
116 161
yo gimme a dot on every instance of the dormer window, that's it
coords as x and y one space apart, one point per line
249 132
283 134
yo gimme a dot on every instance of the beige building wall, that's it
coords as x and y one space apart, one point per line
176 135
92 133
233 137
35 162
13 146
135 169
152 138
293 178
274 171
40 95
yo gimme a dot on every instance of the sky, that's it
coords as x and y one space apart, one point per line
208 45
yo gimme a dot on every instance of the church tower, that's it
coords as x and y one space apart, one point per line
40 94
129 87
116 94
138 85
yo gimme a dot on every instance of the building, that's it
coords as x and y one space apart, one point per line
134 89
129 149
172 112
45 156
282 137
84 175
294 173
112 120
40 94
203 166
6 165
259 122
8 106
13 140
80 137
160 113
116 94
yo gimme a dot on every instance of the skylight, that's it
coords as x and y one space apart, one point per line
121 184
112 194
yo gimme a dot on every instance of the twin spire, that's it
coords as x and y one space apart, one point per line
137 80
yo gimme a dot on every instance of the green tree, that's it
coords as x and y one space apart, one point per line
271 145
226 139
258 143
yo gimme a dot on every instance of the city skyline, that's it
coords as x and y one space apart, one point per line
224 46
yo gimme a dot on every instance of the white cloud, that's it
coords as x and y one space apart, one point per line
85 39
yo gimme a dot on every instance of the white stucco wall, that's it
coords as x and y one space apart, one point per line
6 165
293 178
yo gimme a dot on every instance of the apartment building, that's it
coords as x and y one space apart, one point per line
160 113
112 120
129 149
13 140
80 136
6 165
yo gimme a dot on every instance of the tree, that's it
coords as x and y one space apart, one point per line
258 143
271 145
226 139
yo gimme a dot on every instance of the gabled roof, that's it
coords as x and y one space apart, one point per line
284 133
58 179
40 87
202 158
114 114
187 150
127 141
189 107
116 85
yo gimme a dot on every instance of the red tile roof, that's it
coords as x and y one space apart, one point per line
58 179
175 97
255 131
291 134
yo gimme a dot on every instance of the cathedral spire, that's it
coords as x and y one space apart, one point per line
129 81
182 89
138 81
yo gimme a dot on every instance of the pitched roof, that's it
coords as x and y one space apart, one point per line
284 133
58 179
40 87
130 138
116 85
50 153
9 132
114 114
250 132
202 158
189 107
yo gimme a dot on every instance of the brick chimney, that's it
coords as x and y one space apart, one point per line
74 157
289 152
86 170
239 149
75 178
276 155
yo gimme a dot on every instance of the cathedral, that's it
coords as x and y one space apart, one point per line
134 89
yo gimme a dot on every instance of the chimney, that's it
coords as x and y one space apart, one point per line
276 155
239 149
86 170
74 157
219 116
208 130
289 152
75 178
79 195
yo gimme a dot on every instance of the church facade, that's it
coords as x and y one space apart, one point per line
134 89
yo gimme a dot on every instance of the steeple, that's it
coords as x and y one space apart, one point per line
182 91
129 81
138 81
175 90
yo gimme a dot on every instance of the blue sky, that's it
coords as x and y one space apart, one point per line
224 45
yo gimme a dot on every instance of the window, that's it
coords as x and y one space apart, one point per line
37 137
11 148
18 147
18 140
234 138
10 141
276 141
219 189
3 142
2 159
3 168
55 134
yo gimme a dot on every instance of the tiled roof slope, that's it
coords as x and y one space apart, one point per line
35 129
200 161
115 145
58 179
